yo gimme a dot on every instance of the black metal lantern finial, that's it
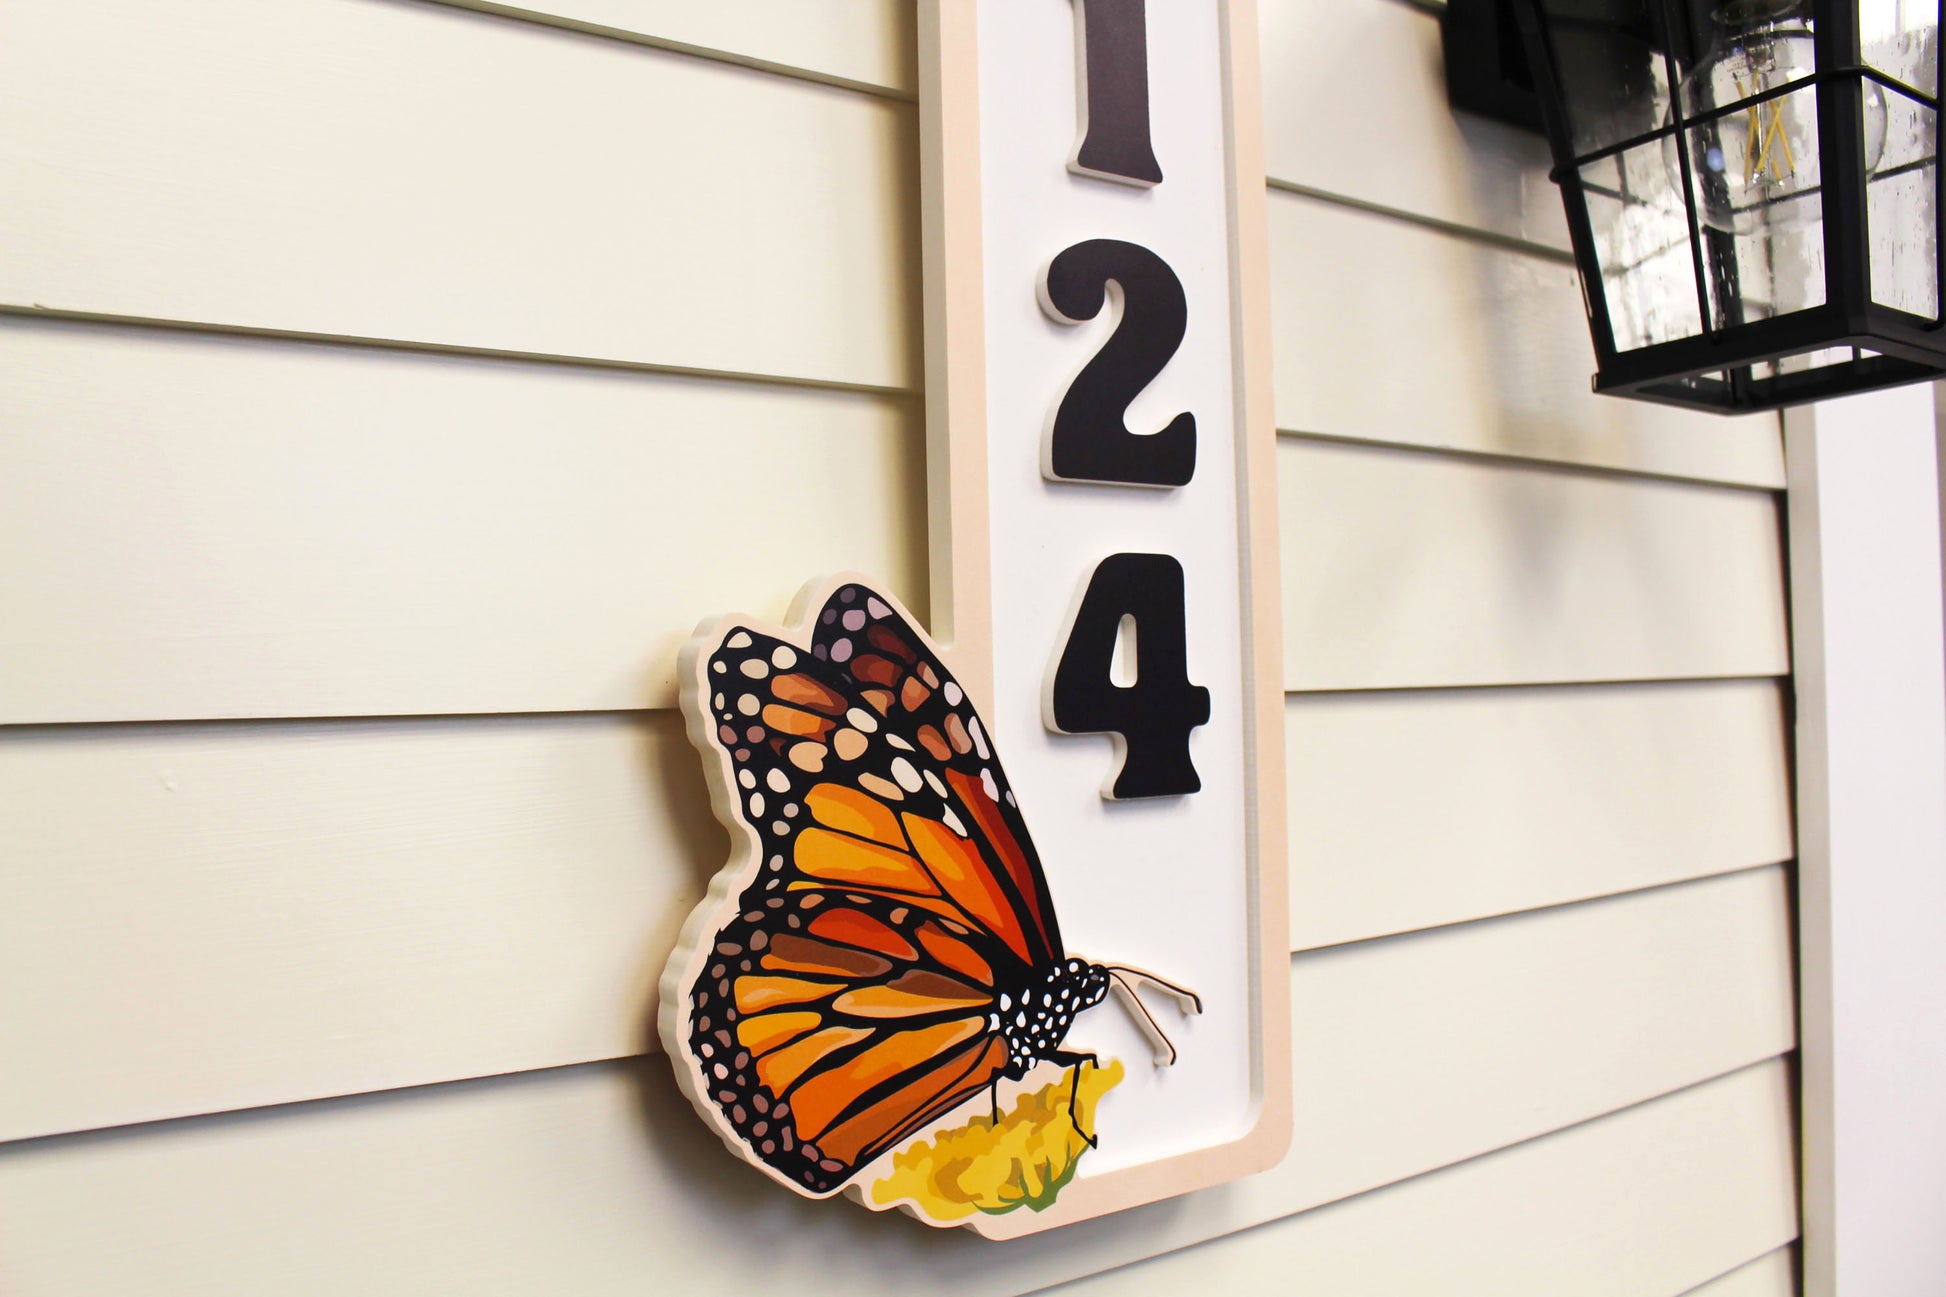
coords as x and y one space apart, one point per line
1752 186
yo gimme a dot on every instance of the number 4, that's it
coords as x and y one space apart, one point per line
1153 714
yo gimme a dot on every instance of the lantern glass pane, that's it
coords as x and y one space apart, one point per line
1901 195
1901 39
1764 273
1610 76
1641 235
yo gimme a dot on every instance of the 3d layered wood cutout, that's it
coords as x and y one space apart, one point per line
874 997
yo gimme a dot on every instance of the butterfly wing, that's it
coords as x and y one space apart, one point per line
853 995
893 668
829 1028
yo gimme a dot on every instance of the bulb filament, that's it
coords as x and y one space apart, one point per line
1766 129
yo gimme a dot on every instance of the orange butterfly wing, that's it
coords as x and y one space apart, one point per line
854 996
896 672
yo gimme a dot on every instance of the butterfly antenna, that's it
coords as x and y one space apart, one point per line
1188 999
1165 1049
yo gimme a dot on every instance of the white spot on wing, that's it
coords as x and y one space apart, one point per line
986 782
953 693
903 772
979 739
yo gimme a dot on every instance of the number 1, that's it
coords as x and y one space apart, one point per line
1114 74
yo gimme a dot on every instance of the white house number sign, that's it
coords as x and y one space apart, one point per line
1002 940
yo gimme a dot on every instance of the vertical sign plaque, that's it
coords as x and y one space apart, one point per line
1002 938
1104 530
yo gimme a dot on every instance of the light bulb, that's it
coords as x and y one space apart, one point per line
1756 169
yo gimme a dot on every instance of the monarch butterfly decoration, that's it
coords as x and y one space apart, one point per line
881 951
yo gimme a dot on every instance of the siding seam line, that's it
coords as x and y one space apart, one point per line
36 311
1454 229
648 40
1515 459
27 728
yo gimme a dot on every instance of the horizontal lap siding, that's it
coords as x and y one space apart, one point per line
1413 809
1386 330
425 174
1421 300
1357 109
222 915
485 962
411 1193
1648 1201
242 527
1403 568
329 907
597 1180
1413 328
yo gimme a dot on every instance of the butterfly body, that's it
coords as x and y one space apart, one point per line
1034 1019
882 948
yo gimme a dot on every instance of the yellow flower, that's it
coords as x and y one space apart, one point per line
1024 1159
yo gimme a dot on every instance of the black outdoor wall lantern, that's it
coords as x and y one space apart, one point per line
1752 187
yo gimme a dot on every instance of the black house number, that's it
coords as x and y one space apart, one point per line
1128 594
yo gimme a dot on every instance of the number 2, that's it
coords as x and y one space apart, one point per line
1089 441
1152 715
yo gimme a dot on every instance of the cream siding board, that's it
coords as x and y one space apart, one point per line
272 976
1364 118
537 1184
430 175
244 527
1403 568
1647 1201
1533 638
1416 808
1387 330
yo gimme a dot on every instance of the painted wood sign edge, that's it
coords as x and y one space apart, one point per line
739 670
953 258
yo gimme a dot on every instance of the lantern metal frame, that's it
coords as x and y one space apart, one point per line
1715 369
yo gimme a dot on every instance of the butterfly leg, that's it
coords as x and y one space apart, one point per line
1074 1062
993 1097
